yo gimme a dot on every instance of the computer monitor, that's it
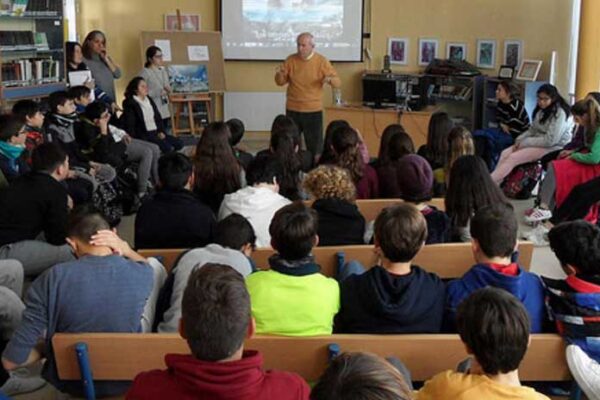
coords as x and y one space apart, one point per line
378 92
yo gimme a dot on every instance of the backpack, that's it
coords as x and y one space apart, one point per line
522 180
106 200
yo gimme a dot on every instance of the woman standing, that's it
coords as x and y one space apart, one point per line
157 78
104 69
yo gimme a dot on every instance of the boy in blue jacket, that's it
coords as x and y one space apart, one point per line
494 239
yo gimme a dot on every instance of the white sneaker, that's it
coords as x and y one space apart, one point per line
585 371
538 235
537 214
22 380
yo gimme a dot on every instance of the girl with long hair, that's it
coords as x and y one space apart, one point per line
436 149
157 78
550 130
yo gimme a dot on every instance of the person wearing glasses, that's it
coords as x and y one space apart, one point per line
157 78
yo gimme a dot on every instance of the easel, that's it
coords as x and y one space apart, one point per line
180 42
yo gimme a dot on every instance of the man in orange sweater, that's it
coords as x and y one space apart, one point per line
305 73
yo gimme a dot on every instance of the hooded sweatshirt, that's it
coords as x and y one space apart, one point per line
380 302
525 286
190 378
340 222
213 253
257 205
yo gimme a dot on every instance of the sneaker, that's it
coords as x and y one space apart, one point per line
585 371
538 236
537 214
22 380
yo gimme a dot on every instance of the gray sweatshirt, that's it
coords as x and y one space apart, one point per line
554 132
104 77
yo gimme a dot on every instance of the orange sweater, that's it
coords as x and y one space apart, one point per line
305 81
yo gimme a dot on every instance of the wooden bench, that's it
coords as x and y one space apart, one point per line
448 260
370 208
121 356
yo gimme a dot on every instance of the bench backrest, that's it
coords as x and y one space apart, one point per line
115 356
370 208
448 260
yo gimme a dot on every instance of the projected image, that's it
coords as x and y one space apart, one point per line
282 20
188 78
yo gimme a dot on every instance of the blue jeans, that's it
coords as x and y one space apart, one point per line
494 141
348 269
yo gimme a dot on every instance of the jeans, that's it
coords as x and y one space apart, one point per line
493 141
36 256
146 155
11 306
310 124
350 268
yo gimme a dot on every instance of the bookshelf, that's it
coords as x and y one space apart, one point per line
528 93
31 49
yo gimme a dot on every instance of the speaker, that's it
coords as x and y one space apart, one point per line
386 65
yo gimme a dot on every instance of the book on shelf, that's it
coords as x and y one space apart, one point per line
19 7
17 40
33 71
41 41
34 8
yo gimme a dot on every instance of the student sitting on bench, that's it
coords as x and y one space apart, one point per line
215 321
494 327
494 239
109 288
395 296
574 302
293 298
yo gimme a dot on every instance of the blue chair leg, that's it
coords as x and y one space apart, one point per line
85 369
575 391
334 351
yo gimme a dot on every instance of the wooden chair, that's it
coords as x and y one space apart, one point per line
121 356
449 260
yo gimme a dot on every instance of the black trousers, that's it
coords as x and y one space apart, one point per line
310 124
578 202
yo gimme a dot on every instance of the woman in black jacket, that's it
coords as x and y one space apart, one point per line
142 120
340 221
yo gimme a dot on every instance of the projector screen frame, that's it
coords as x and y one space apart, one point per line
362 40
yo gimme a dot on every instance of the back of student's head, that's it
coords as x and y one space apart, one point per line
400 232
57 99
495 326
594 95
215 164
94 110
414 177
25 108
215 312
495 229
588 110
330 182
84 222
440 125
47 157
360 376
264 169
284 122
174 170
285 142
460 143
237 129
235 232
293 231
470 187
345 143
10 125
577 243
395 143
78 92
328 156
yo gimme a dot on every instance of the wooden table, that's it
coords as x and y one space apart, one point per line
180 101
371 122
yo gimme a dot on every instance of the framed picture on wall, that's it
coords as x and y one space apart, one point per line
486 53
189 22
529 70
428 50
513 53
398 50
456 51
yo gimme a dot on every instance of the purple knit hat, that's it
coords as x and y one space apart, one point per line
415 178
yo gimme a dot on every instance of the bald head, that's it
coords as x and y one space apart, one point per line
305 44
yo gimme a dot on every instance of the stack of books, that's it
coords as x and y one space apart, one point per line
34 71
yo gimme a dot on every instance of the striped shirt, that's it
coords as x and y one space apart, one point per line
514 116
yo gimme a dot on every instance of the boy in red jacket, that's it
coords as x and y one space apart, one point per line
215 321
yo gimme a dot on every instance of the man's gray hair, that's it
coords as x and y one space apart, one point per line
306 34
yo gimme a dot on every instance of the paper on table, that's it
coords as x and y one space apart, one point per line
198 53
80 78
165 46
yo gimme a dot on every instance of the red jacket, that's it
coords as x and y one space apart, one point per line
190 378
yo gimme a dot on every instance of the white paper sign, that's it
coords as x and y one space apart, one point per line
80 78
165 46
198 53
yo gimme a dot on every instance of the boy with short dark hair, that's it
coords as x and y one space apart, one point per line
30 113
494 327
237 129
94 136
574 302
293 298
233 245
174 217
494 240
219 367
395 296
81 96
